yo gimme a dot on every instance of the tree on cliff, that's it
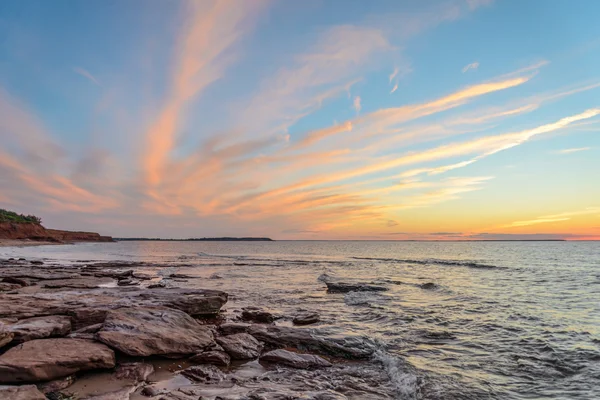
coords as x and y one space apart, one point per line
11 216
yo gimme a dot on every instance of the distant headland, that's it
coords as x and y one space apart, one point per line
204 239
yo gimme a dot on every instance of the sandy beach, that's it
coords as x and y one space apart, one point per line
25 243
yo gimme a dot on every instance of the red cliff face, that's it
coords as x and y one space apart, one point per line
10 230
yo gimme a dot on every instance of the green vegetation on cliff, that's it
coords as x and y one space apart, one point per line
11 216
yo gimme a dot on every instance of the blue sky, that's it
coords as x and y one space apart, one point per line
314 119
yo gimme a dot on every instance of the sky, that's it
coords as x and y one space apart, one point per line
319 119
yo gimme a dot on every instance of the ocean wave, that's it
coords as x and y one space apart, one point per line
452 263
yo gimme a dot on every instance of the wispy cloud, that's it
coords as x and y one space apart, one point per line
573 150
565 216
472 66
86 74
394 88
356 104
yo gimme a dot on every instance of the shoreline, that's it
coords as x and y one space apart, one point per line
27 243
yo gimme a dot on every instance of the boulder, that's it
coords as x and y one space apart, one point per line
24 392
212 357
240 346
306 319
48 359
136 371
162 331
279 336
40 328
295 360
204 374
255 314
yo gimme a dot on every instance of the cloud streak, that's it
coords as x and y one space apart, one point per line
473 66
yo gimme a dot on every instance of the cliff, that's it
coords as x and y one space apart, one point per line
32 231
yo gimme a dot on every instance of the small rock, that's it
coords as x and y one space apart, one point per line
295 360
56 385
90 328
5 336
257 315
150 391
306 319
345 287
212 357
428 286
7 287
157 285
24 392
36 262
17 281
240 346
229 328
121 394
136 372
215 276
128 282
204 374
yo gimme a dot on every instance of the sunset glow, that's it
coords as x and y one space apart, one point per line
389 120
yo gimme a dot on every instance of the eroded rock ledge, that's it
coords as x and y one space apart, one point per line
58 324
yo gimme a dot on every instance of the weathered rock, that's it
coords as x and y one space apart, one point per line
6 336
121 394
157 285
154 331
240 346
204 374
88 307
142 276
128 282
117 274
136 372
306 319
56 385
279 336
257 315
229 328
212 357
215 276
78 283
295 360
271 394
345 287
40 328
428 286
17 281
90 329
48 359
24 392
7 287
150 391
85 336
36 262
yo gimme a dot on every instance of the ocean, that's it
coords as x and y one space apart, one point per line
502 320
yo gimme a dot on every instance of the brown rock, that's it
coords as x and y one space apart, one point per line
24 392
257 315
5 336
295 360
154 331
212 357
240 346
136 372
229 328
306 319
204 374
48 359
56 385
40 328
121 394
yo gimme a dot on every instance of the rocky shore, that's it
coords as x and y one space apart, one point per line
113 331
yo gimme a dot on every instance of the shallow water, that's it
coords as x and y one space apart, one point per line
505 320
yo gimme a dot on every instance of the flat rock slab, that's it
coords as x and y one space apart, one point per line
88 307
295 360
306 319
136 371
40 328
270 394
240 346
204 374
154 331
78 283
24 392
279 336
48 359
